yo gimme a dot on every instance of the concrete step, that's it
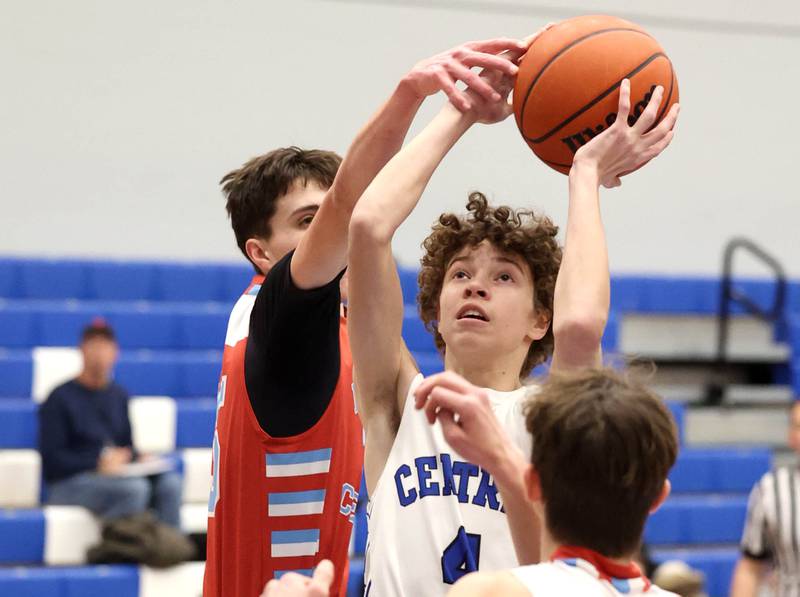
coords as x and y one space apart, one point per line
735 394
759 425
694 338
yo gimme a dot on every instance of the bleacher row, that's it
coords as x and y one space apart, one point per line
170 321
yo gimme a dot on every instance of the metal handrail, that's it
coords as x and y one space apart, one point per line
730 295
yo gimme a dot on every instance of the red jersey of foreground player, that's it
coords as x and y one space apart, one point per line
284 503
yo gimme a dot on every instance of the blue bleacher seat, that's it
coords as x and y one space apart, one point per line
18 423
120 281
32 582
678 411
610 338
234 281
721 522
17 326
101 581
665 527
9 278
155 374
198 330
199 376
52 279
16 373
184 282
195 423
417 338
719 470
716 563
429 362
151 328
85 581
22 535
697 520
408 283
740 469
60 326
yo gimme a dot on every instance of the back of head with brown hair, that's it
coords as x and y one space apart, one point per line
603 446
522 232
252 191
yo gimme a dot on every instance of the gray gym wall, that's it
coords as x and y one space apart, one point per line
117 120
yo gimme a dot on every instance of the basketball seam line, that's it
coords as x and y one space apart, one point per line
599 98
655 124
567 47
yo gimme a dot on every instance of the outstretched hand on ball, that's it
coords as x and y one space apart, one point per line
499 107
442 71
623 148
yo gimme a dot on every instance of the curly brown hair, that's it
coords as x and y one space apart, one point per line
522 232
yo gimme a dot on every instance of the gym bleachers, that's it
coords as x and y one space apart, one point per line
170 320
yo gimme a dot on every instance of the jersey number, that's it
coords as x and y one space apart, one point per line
213 498
461 557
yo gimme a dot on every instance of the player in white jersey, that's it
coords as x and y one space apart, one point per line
603 447
489 293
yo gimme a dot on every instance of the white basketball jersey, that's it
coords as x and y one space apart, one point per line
433 516
579 577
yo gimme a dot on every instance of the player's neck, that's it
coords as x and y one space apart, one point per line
501 374
551 547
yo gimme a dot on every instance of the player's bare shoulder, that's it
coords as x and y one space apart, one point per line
489 584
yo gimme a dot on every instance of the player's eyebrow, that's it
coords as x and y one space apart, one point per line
312 207
511 261
464 258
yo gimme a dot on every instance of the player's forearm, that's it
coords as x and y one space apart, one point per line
746 578
582 293
522 519
375 144
322 252
396 190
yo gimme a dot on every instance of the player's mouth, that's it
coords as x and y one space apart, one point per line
473 312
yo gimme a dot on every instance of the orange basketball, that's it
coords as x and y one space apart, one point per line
567 87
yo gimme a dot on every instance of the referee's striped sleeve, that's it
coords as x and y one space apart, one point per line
755 538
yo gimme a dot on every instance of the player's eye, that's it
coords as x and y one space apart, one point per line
305 221
505 277
460 275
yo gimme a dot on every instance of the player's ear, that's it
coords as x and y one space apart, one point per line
538 326
662 497
533 484
258 252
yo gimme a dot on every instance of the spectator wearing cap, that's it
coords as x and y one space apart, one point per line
85 441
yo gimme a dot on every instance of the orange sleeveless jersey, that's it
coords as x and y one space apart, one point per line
279 504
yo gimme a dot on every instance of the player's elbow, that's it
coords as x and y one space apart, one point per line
368 230
580 334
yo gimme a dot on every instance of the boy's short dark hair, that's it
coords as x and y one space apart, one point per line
252 191
603 444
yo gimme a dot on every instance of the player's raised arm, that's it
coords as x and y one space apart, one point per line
322 252
382 366
582 291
